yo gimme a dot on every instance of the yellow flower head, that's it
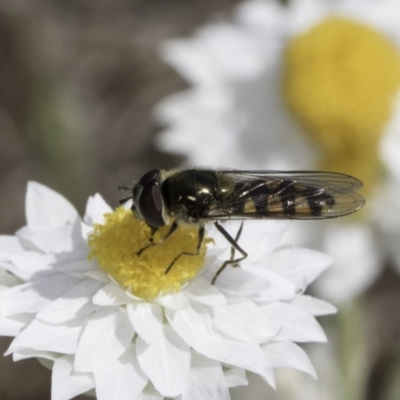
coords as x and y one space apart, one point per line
115 245
341 79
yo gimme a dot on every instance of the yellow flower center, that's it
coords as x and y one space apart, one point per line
341 78
115 245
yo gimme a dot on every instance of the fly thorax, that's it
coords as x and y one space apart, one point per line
187 194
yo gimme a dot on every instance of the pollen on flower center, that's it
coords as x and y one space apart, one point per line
115 245
341 78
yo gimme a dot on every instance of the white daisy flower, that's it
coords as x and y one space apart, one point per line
310 85
110 322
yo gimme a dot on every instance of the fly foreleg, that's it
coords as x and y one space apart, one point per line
153 231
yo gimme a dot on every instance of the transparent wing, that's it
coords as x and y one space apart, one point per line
287 195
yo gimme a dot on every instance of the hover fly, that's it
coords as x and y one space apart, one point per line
197 196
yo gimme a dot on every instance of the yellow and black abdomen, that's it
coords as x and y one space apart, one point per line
281 199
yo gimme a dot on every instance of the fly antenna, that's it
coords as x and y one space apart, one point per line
125 199
125 188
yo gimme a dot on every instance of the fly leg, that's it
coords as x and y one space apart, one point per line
235 246
200 238
153 231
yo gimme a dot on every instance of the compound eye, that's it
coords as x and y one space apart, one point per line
150 178
150 199
151 205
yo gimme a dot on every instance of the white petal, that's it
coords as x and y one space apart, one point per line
250 357
31 265
45 207
67 383
190 58
35 295
104 339
110 295
96 207
41 336
213 134
307 13
46 362
79 254
121 380
166 362
263 15
135 299
235 377
86 231
313 306
299 265
75 302
8 280
258 238
98 275
147 320
13 326
149 393
174 301
237 281
206 380
77 268
293 323
243 321
383 16
390 144
357 257
195 329
288 355
236 52
57 239
10 245
9 267
29 353
192 103
279 288
202 291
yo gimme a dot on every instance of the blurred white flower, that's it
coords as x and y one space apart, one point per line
119 326
309 85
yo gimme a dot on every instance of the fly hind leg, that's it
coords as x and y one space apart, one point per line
200 238
233 242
